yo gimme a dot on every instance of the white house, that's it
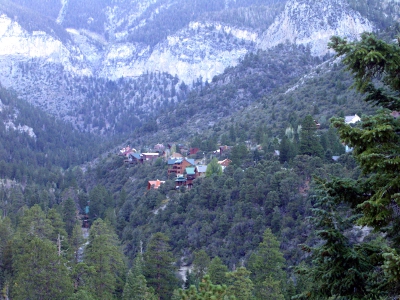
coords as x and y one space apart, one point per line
352 119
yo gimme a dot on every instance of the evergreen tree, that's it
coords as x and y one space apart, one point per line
240 284
267 261
200 265
207 291
39 272
6 235
217 271
339 268
159 269
76 241
69 215
104 256
375 65
271 289
309 141
136 284
285 150
40 269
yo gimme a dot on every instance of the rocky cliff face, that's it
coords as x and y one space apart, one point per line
199 50
312 23
37 63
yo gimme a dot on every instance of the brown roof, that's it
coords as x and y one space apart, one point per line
225 162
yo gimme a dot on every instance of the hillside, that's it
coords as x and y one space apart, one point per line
159 149
84 48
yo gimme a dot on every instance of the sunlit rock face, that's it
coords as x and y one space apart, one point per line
199 50
312 23
43 68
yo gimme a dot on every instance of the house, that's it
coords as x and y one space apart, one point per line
176 155
178 166
224 148
126 151
180 181
150 156
347 148
135 158
154 184
200 171
193 151
352 119
190 175
226 162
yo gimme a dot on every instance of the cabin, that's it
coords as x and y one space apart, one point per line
225 162
135 158
180 181
154 184
178 166
190 176
150 156
126 151
352 119
193 151
200 171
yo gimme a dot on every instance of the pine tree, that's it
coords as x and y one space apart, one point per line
200 265
40 273
375 65
309 141
104 256
76 242
136 284
159 269
69 215
217 271
339 268
207 291
6 235
267 261
40 269
240 284
271 289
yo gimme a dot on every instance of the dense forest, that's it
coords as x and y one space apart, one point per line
294 216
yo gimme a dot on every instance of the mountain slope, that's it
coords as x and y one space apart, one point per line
108 42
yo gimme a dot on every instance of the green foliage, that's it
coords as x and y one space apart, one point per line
104 256
201 263
207 291
6 235
213 168
340 268
375 65
266 265
158 266
136 284
39 272
240 284
40 268
69 215
309 141
217 271
370 59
